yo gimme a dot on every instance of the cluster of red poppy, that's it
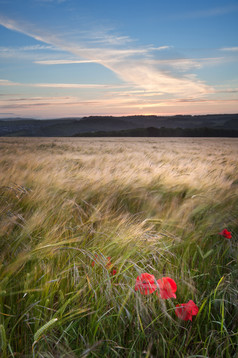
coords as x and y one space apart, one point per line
109 265
147 284
225 233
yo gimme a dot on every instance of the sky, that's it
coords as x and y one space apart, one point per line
74 58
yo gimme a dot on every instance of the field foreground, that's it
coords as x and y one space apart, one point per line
81 219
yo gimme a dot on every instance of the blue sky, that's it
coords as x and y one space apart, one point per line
62 58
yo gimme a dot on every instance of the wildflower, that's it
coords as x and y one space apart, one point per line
113 272
185 311
110 266
167 287
225 233
145 283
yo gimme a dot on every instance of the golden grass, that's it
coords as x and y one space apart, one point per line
192 161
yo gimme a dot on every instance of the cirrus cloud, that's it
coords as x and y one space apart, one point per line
129 63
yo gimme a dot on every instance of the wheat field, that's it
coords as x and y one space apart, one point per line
153 205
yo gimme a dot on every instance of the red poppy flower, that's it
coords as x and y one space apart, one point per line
145 283
225 233
185 311
167 287
109 265
114 271
95 260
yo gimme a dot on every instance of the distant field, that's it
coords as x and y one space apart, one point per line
153 206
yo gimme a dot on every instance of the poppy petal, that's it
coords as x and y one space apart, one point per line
181 312
192 307
172 284
145 283
185 311
167 287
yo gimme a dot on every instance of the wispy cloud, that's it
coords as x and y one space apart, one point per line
27 48
7 114
20 27
21 102
108 39
232 49
62 62
8 83
71 85
4 82
151 79
131 64
227 90
180 64
60 106
186 64
160 48
29 52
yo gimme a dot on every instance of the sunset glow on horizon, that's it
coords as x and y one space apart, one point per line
69 58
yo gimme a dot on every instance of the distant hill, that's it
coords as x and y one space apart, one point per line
165 132
68 127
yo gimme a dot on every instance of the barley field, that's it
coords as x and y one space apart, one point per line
81 219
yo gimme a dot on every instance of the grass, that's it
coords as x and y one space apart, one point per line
152 205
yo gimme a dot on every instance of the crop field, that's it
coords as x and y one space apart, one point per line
81 221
